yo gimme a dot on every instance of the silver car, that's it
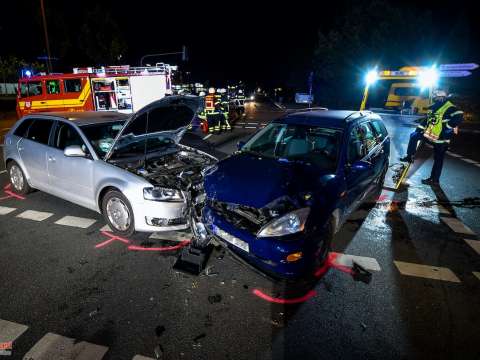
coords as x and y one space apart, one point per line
130 168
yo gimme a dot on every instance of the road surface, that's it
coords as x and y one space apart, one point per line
68 291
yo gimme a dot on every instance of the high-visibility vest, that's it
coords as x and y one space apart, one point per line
435 123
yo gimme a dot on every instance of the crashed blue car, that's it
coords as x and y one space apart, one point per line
278 201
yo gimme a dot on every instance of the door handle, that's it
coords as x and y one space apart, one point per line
20 148
43 102
51 158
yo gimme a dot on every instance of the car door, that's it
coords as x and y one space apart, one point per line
359 170
375 152
70 178
33 151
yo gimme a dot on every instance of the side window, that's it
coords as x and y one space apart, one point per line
72 85
22 129
34 88
39 131
23 89
380 130
53 87
367 135
356 148
66 135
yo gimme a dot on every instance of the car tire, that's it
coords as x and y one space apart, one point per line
18 180
118 213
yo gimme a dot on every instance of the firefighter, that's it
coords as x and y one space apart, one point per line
214 119
438 128
224 123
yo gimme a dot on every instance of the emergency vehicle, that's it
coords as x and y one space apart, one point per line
123 88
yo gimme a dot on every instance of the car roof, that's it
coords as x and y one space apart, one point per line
86 117
328 118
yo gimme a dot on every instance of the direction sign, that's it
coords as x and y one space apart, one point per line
457 67
453 73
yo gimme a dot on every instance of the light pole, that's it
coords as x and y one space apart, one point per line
44 19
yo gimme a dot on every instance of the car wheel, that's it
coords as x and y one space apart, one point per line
118 213
18 179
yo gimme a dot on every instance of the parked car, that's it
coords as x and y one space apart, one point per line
279 200
130 168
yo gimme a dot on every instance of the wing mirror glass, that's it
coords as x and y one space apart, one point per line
74 151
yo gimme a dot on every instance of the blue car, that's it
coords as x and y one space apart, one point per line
278 201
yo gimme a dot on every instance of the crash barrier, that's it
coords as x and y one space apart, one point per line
113 238
357 272
10 194
8 88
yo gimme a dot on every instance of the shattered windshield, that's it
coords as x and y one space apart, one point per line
291 142
102 136
154 131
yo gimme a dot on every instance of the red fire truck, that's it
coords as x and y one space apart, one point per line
113 88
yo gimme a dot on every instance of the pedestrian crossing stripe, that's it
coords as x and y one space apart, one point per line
76 221
140 357
475 245
57 347
426 271
10 331
4 210
457 226
34 215
477 274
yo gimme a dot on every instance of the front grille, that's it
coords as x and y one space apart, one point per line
242 217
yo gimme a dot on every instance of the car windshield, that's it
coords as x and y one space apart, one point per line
315 145
102 136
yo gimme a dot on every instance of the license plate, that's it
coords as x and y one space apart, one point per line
231 239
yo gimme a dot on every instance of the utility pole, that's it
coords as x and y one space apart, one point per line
44 19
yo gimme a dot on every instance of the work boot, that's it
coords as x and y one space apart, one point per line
430 182
407 158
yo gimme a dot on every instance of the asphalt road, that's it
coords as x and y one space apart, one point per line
59 276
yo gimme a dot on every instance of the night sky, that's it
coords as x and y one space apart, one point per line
259 42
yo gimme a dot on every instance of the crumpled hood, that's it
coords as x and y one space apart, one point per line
252 181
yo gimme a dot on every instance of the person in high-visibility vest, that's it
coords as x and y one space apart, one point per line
438 128
224 123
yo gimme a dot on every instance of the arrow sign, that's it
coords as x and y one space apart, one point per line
455 73
456 67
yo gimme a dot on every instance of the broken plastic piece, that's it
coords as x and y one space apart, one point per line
192 260
359 273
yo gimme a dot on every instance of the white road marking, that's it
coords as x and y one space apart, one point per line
75 221
453 154
3 171
140 357
457 226
426 271
477 274
10 331
4 210
250 127
442 210
34 215
367 262
57 347
470 161
206 137
106 228
475 244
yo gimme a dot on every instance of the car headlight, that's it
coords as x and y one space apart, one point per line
290 223
162 194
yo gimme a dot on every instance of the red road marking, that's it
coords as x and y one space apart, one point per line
10 194
6 187
113 238
382 197
297 300
163 248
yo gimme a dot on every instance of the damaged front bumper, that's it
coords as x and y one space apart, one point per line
269 255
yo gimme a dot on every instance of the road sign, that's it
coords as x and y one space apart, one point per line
454 73
457 67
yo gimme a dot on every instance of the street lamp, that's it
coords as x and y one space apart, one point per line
370 78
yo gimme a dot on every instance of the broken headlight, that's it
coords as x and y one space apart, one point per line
289 223
162 194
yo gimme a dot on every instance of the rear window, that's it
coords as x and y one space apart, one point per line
72 85
39 131
21 130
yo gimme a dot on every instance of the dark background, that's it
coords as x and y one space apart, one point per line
266 44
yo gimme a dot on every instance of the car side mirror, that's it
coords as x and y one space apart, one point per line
74 151
240 145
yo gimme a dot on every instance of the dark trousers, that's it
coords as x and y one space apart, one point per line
439 151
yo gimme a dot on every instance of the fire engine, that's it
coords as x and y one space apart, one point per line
113 88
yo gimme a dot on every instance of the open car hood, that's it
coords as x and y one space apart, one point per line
172 124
